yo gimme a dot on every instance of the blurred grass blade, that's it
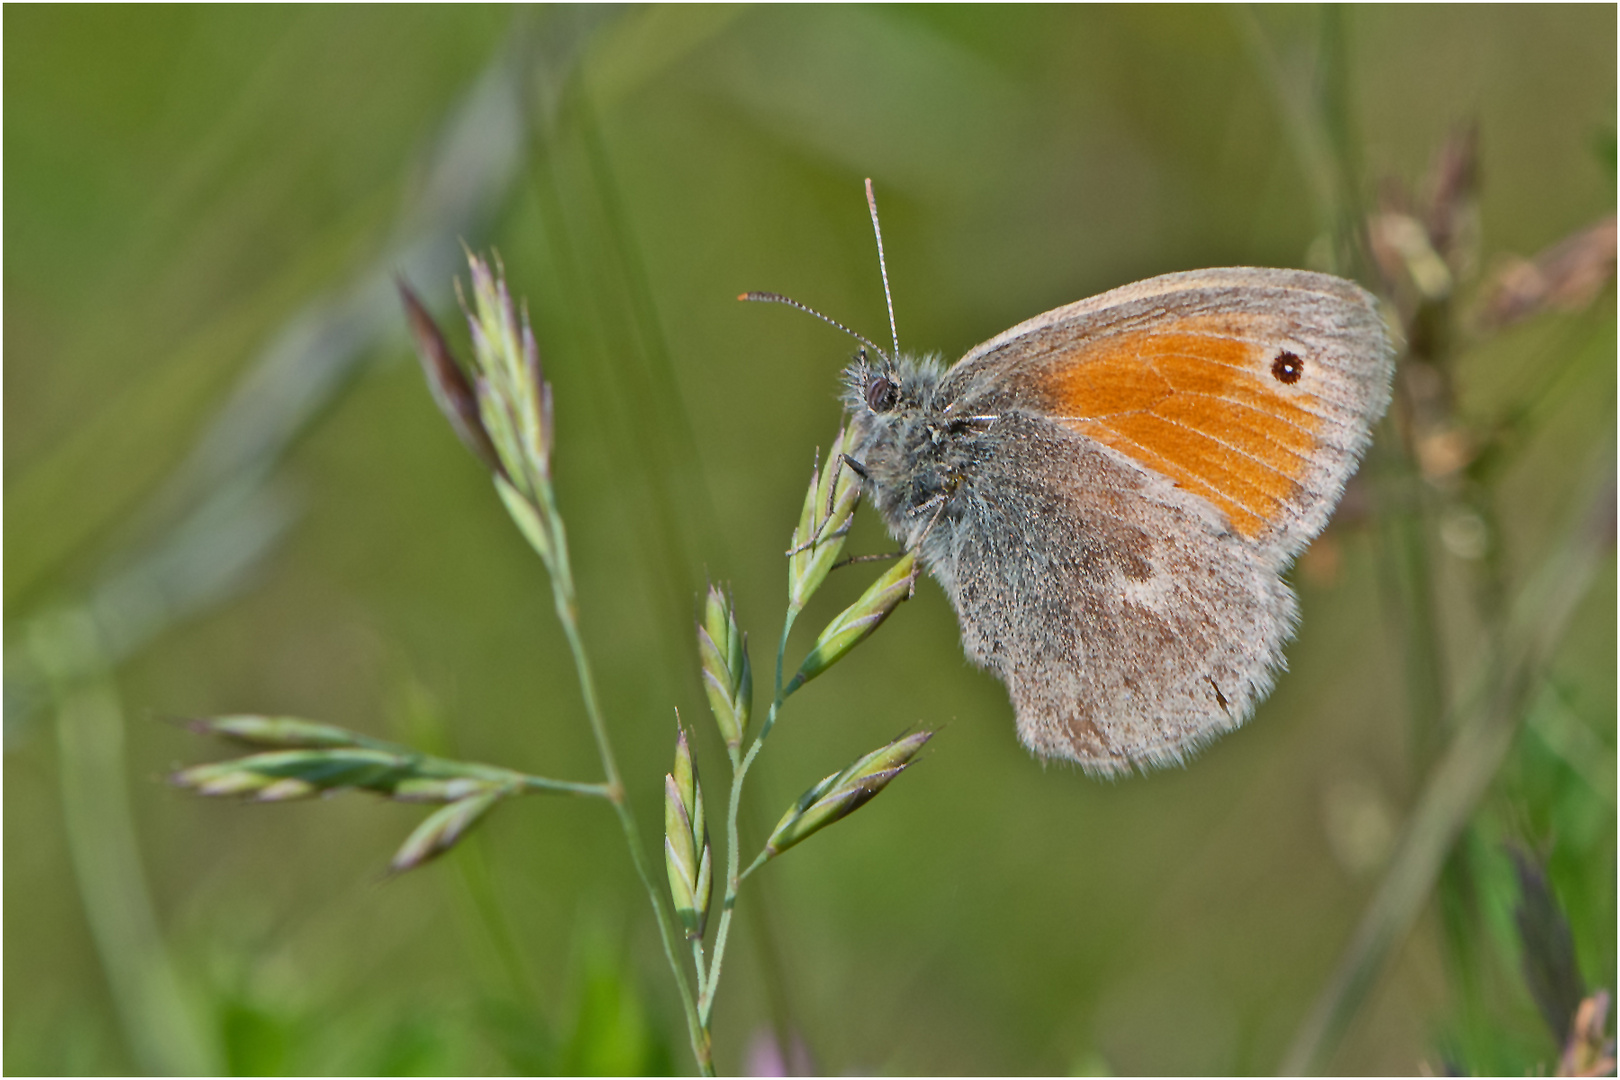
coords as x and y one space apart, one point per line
1488 715
205 560
298 371
1548 957
162 1034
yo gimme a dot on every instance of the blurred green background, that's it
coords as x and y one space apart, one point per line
226 489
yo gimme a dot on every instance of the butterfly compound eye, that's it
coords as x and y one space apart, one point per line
881 394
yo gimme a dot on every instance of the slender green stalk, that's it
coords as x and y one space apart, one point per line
501 406
568 787
733 833
562 582
428 765
502 409
697 965
759 860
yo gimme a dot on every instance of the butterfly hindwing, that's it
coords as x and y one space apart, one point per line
1127 623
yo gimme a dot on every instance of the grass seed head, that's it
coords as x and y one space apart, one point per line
276 732
727 678
448 382
442 830
829 506
686 841
513 398
841 794
857 622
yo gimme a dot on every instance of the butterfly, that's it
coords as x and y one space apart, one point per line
1110 494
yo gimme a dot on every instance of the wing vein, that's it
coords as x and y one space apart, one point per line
1173 472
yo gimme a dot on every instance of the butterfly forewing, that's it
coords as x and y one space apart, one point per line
1250 388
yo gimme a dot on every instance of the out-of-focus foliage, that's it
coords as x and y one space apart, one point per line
181 183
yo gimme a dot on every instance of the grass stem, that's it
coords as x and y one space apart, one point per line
562 579
733 833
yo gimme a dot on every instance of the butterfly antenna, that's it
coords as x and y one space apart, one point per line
778 298
883 267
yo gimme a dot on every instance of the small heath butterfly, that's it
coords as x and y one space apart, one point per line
1111 492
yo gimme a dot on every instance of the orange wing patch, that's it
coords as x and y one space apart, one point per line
1200 408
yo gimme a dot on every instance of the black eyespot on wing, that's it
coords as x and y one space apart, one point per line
1287 368
881 394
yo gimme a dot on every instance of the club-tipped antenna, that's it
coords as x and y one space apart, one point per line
778 298
883 267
